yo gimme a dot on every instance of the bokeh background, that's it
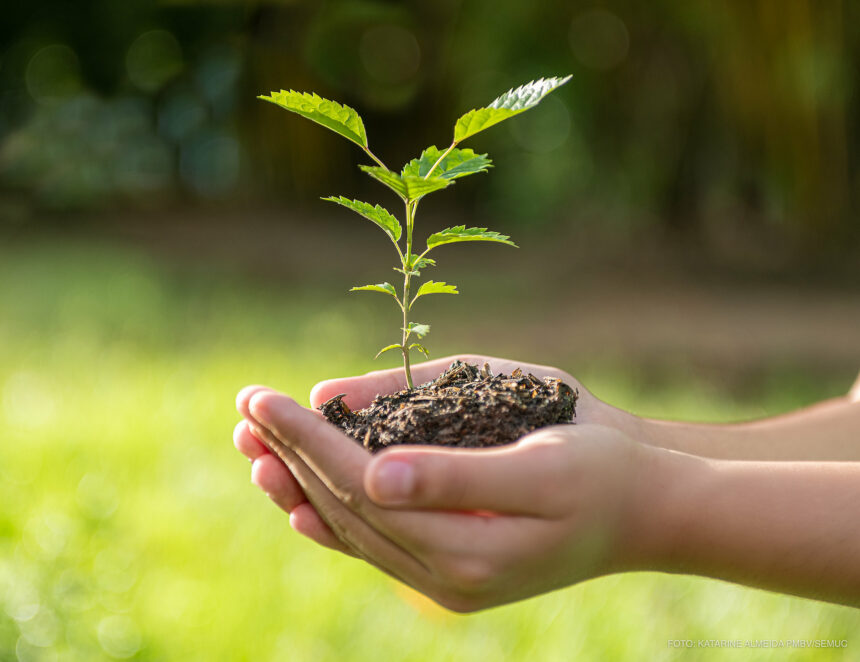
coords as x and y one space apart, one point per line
687 211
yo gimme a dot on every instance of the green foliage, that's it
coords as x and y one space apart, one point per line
513 102
418 329
462 233
414 263
432 287
421 262
332 115
385 288
434 170
379 215
421 348
408 187
388 348
457 163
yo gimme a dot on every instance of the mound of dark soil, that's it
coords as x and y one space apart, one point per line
465 406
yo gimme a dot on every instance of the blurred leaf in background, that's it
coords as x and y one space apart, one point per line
703 120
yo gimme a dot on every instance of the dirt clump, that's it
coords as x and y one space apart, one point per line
466 406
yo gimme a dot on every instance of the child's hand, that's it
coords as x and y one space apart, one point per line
271 475
469 528
480 527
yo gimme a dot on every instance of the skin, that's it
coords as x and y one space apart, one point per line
475 528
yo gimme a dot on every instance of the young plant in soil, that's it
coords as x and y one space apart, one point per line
466 405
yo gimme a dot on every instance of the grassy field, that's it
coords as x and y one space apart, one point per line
129 528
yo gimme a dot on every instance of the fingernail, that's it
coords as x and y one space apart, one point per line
393 482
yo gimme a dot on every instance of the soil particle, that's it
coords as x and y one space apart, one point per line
465 406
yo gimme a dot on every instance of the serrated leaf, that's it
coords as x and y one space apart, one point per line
385 288
416 262
513 102
409 187
462 233
391 179
379 215
421 348
422 262
457 163
387 349
432 287
330 114
419 330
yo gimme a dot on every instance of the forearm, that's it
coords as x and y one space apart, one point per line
792 527
828 431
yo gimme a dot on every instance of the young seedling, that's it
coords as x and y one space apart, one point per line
433 171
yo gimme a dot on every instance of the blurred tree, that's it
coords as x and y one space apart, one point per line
781 77
701 119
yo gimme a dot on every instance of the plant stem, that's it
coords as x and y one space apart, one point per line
439 160
404 304
407 277
373 156
405 338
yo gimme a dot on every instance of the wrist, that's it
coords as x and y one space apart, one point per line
656 514
667 435
635 427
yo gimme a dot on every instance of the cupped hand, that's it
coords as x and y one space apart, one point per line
275 479
469 528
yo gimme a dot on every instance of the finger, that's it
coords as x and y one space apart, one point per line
337 460
339 464
359 536
244 397
272 476
517 480
246 443
333 459
304 519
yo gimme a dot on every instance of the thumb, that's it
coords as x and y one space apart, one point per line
508 480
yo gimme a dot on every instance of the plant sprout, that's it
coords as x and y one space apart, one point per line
433 171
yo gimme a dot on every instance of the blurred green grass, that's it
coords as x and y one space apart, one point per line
129 528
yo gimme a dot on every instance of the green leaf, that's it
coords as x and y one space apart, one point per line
415 262
332 115
462 233
457 163
385 288
513 102
382 217
422 262
386 349
432 287
408 187
391 179
419 330
421 348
